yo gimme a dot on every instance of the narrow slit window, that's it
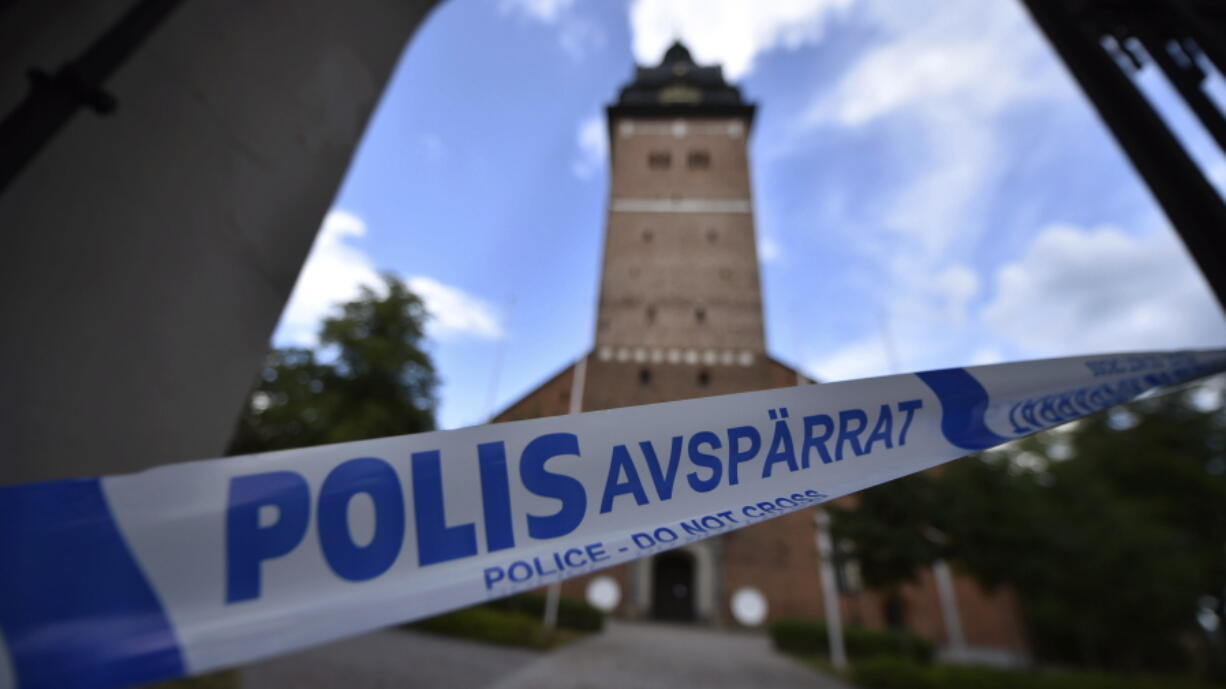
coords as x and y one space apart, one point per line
698 160
659 160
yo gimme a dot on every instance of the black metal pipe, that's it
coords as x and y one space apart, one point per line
1209 31
1187 84
1190 202
54 98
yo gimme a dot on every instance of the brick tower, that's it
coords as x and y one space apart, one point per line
680 316
680 311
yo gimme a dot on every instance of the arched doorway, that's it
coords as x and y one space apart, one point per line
672 596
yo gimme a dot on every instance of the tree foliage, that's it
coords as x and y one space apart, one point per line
1112 531
892 527
376 381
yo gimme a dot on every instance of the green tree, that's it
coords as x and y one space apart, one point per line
1111 530
894 529
1164 457
1101 584
378 380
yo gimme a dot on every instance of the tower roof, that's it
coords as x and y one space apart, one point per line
679 87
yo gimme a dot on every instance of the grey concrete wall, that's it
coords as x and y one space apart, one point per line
145 257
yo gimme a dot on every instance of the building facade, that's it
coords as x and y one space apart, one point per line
680 316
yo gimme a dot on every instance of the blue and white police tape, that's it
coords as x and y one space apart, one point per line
190 567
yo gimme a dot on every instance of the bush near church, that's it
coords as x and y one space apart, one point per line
806 637
516 621
899 673
572 612
483 623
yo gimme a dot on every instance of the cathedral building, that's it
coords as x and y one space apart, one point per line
680 316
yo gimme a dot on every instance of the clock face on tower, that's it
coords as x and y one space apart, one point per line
680 93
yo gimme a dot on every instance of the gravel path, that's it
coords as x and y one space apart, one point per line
650 656
389 659
625 656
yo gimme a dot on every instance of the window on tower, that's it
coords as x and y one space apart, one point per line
700 314
704 378
659 160
644 376
648 235
651 315
712 236
698 160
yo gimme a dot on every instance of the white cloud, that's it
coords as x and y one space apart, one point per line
435 148
952 58
954 288
335 271
729 32
1079 291
942 79
454 312
592 140
546 11
769 250
986 355
936 84
1073 291
576 35
860 359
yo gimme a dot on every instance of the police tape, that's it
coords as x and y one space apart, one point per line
182 569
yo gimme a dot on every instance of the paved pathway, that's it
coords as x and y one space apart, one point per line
625 656
650 656
389 659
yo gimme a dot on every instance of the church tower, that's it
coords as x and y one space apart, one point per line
680 311
680 316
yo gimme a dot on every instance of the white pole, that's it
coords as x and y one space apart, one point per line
940 569
949 609
830 589
830 593
554 592
551 605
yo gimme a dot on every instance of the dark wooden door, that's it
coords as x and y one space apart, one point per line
673 592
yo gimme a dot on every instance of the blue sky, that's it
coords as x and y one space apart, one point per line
931 190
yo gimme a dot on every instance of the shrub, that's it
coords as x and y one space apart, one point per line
867 643
483 623
572 613
802 637
806 637
226 679
894 673
897 673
